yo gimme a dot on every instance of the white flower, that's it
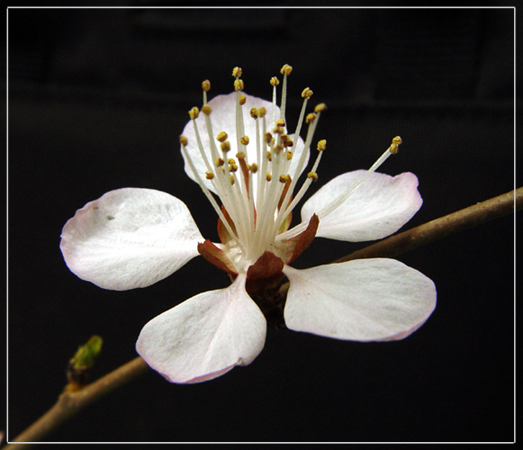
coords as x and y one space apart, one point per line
239 152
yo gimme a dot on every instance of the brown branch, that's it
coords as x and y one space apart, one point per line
70 403
437 229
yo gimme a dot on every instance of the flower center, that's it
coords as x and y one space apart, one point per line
255 188
256 184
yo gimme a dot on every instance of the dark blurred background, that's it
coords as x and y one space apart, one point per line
97 100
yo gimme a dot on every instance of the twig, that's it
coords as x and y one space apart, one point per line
437 229
70 403
444 226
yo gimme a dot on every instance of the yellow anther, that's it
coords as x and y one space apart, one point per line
254 113
206 109
320 107
278 148
194 113
286 69
322 145
284 178
222 136
394 147
289 155
253 167
397 140
289 143
310 118
262 111
225 146
269 155
231 161
268 177
183 140
237 72
238 85
275 81
239 155
232 179
312 175
209 175
306 93
243 99
233 168
219 162
206 85
244 140
280 123
267 138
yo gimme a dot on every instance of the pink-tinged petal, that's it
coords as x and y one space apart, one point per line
380 206
205 336
363 300
129 238
223 118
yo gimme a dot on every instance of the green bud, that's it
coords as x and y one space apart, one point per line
87 353
79 368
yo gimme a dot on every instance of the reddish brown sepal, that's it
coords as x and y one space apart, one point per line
216 257
265 273
295 246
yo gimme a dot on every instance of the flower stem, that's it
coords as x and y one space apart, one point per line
70 403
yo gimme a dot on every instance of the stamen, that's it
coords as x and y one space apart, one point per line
238 85
206 87
183 142
286 71
338 201
194 113
311 176
287 180
313 122
274 82
237 72
241 142
255 222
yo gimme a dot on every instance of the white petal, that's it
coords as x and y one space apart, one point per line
205 336
130 238
363 300
380 206
223 118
